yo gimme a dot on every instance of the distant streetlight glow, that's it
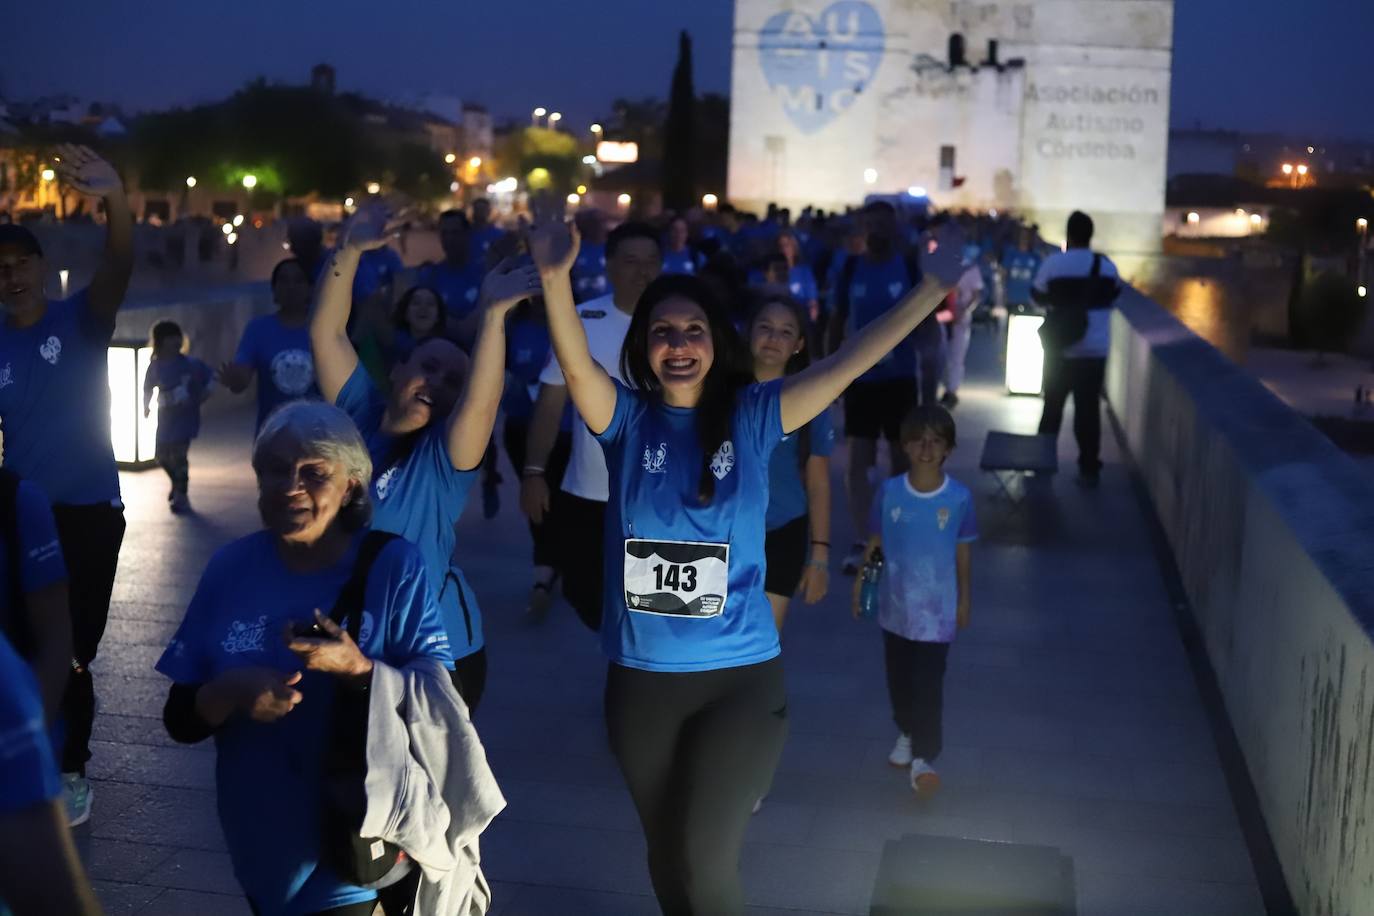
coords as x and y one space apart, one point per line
589 160
1362 224
49 174
623 200
451 158
574 199
1194 219
374 188
1362 291
916 191
596 128
226 229
582 189
870 176
1311 150
190 181
1240 213
540 112
475 162
453 186
709 201
348 201
1288 168
1302 169
250 181
1256 219
232 238
238 220
555 117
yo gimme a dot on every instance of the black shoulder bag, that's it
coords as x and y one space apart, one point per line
1070 299
365 861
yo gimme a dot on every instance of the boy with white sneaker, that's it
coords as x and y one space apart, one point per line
924 523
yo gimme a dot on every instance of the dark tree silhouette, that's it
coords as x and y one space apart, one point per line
679 181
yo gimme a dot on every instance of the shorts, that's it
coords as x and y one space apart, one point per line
875 410
785 549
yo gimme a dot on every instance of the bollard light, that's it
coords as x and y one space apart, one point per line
1025 354
134 437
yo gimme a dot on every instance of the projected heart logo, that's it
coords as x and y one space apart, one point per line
817 67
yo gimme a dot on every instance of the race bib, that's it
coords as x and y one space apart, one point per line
676 578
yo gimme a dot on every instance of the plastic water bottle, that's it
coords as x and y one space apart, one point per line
868 593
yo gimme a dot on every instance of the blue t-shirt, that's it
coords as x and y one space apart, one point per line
420 497
589 272
28 771
682 558
55 403
459 286
1021 267
282 358
801 283
267 774
376 268
40 554
786 477
482 240
180 381
873 290
679 262
527 352
920 531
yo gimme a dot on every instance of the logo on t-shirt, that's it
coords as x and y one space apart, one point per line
384 483
472 294
292 372
656 462
942 517
896 513
7 375
181 394
51 350
894 289
723 460
245 636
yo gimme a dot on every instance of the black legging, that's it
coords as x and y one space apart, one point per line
544 535
698 749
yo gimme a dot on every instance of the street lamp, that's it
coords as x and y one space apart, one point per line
238 220
250 181
623 200
374 188
540 112
190 181
454 186
475 162
226 228
1194 219
451 158
574 199
48 174
709 201
1302 169
589 160
596 129
348 201
555 118
870 176
1288 168
582 189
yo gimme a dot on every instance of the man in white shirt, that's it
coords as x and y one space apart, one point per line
634 258
1078 284
966 296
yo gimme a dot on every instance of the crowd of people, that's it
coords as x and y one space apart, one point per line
668 385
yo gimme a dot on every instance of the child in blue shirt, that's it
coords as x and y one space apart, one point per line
923 522
183 384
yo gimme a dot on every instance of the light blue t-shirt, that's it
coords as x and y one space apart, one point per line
55 403
267 775
459 286
283 360
679 262
921 531
693 598
1021 267
589 272
786 475
419 496
28 770
873 290
40 554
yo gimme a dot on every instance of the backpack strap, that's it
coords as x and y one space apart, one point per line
349 605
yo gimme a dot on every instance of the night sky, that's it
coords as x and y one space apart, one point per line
1245 64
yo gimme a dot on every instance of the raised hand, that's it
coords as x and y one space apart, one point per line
508 284
334 652
942 254
554 244
367 229
82 170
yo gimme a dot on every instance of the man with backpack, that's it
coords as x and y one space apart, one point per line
868 286
1078 288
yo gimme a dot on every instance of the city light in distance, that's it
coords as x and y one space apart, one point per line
1311 150
574 199
1240 213
1288 168
232 238
870 176
709 201
540 112
374 188
348 201
1362 224
475 162
451 158
555 117
582 189
504 186
49 174
453 186
596 128
190 181
1302 169
226 229
623 200
916 191
589 160
250 181
1362 291
1256 219
1194 219
238 220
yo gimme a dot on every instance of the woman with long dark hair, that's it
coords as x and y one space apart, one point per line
797 544
695 702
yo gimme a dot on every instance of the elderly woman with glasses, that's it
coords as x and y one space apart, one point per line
256 662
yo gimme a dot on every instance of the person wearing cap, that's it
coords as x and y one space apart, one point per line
55 417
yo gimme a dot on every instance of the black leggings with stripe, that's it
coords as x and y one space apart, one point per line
697 749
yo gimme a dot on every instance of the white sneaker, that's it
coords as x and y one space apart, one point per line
925 782
901 752
76 797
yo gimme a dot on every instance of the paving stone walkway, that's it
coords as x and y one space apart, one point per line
1072 719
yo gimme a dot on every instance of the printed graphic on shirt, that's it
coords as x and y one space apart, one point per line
894 289
384 483
676 578
7 375
942 517
245 636
293 371
656 461
51 350
723 460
